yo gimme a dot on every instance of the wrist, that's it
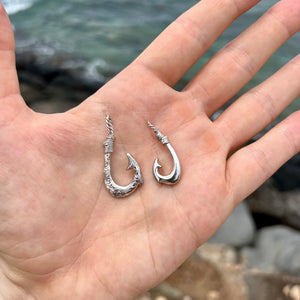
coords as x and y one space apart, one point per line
14 286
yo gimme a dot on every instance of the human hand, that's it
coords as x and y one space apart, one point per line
63 236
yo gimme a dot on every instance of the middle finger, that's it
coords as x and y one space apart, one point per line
182 43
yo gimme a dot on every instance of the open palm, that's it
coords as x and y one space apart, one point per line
63 236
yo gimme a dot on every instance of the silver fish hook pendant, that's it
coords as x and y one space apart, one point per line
115 189
174 176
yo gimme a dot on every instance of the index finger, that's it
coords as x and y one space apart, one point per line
184 41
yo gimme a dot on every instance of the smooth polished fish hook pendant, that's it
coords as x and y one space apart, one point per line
174 176
115 189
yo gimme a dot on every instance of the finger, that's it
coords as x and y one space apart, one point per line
260 106
249 167
233 66
175 51
8 75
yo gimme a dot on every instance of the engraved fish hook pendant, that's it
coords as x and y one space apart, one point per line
115 189
174 176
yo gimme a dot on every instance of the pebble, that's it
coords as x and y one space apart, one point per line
213 295
292 291
161 298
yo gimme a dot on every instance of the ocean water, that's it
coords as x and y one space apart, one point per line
109 34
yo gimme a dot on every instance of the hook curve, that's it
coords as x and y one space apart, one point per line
115 189
174 176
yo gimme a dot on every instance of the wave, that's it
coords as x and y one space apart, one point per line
14 6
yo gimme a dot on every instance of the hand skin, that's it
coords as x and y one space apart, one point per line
63 236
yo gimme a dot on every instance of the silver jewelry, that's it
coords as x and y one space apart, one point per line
115 189
174 176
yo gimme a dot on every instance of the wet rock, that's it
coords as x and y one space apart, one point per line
277 249
283 205
238 230
51 98
288 176
57 69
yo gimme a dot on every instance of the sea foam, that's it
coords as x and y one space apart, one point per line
14 6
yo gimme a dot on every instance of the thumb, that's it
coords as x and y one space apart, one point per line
9 84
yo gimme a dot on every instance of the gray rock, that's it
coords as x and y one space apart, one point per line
288 258
238 230
277 250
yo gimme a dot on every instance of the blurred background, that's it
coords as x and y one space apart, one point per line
66 50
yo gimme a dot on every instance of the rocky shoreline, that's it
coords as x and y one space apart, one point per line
50 82
254 256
